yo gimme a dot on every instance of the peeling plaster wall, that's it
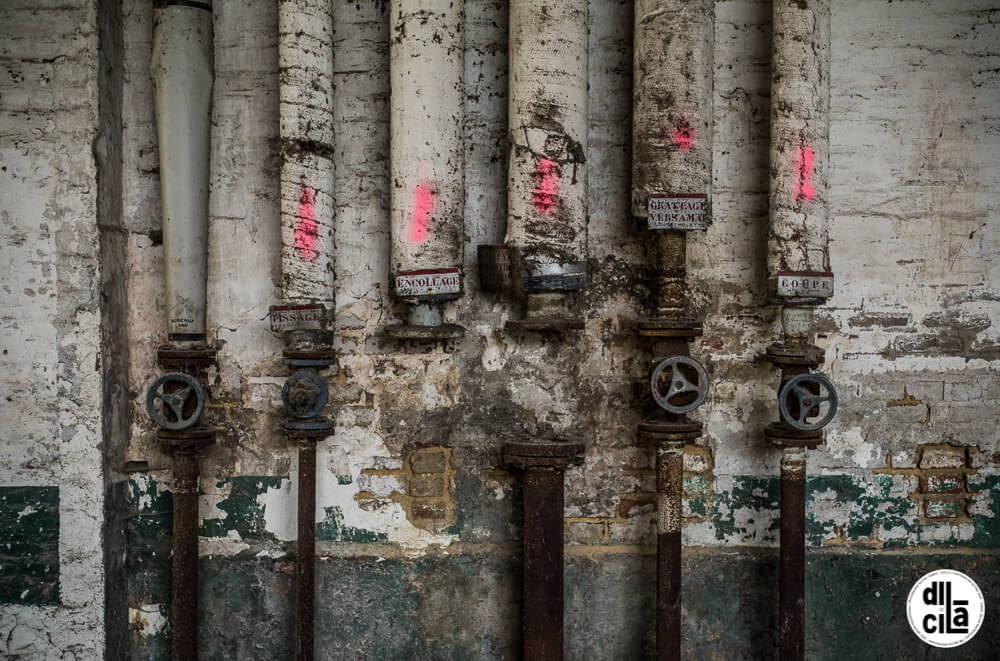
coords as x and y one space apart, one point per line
418 522
51 488
910 335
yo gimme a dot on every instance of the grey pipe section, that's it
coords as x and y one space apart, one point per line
673 72
182 81
427 68
547 119
305 97
800 138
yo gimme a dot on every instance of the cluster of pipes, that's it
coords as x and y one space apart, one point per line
543 263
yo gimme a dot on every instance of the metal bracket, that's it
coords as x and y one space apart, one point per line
305 393
677 399
801 397
177 390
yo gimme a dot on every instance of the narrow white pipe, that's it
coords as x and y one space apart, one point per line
547 123
426 150
182 80
800 138
672 100
305 93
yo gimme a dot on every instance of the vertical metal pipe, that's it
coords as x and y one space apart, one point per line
800 138
792 574
305 568
542 618
305 97
547 120
672 132
181 69
184 548
427 154
669 490
543 464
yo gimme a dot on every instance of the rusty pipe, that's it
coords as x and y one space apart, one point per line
184 549
543 464
792 573
669 490
305 566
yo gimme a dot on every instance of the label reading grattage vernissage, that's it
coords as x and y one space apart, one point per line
677 211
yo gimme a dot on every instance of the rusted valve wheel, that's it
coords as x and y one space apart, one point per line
179 411
305 394
678 397
801 398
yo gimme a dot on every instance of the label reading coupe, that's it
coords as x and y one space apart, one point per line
677 212
805 285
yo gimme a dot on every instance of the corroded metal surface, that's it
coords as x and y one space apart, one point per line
792 570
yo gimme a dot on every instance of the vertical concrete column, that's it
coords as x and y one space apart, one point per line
543 465
792 571
427 155
547 174
672 133
800 138
181 69
305 98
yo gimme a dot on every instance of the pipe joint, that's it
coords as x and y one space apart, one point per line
555 454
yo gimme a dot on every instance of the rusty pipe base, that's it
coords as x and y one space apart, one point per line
543 464
792 568
669 439
186 447
307 432
305 566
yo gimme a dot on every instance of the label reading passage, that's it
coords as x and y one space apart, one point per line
297 317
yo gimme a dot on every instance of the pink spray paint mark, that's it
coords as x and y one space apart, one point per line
683 137
804 189
424 201
305 231
546 191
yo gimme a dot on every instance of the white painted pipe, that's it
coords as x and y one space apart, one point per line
800 138
305 93
181 69
426 149
547 123
672 100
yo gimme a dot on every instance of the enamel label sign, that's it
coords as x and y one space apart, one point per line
297 317
677 211
429 282
805 285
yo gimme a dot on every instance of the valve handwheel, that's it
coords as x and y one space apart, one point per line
305 394
176 393
802 397
683 394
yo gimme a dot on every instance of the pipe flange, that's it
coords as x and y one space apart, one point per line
313 429
803 397
544 324
654 328
424 333
188 440
808 355
552 453
552 277
185 358
305 393
175 392
781 435
678 397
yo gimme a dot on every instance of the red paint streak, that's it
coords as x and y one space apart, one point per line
424 201
804 189
546 192
305 231
683 137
